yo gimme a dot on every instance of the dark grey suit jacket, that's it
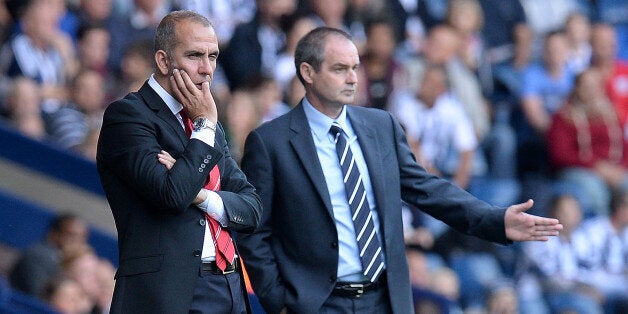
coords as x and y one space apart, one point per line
292 258
160 233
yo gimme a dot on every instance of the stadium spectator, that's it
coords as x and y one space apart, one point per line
93 49
225 15
255 46
22 106
140 23
66 296
425 299
441 48
94 12
545 17
507 50
268 98
330 13
295 92
94 275
545 86
605 264
242 116
382 71
604 45
137 64
502 299
466 17
41 52
586 144
42 261
69 125
435 123
552 269
285 71
578 32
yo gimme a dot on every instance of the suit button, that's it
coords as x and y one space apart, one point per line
202 165
209 157
197 253
206 160
332 278
200 169
334 245
201 222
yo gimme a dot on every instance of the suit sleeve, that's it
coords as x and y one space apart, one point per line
257 248
443 200
128 146
242 204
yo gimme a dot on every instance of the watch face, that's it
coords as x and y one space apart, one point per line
203 123
200 123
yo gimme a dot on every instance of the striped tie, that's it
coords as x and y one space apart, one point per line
225 250
366 235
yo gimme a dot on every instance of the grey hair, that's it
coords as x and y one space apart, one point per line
311 48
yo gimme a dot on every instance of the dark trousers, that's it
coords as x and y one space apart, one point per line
376 302
217 293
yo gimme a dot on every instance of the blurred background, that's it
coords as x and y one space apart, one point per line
509 99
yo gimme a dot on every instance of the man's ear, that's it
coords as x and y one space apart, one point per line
161 60
307 71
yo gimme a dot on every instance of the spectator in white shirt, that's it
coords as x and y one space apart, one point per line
605 263
553 267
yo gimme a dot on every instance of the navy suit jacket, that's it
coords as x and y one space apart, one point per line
160 232
292 258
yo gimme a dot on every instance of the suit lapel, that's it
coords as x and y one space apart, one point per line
303 144
371 150
157 104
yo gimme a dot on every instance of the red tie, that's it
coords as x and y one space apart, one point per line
225 251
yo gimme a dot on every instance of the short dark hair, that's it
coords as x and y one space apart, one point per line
165 36
556 200
140 47
619 198
311 48
58 223
85 28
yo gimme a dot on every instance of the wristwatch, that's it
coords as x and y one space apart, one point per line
204 123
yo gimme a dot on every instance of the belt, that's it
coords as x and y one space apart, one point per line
211 267
355 290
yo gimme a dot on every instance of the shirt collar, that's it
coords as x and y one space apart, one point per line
174 105
320 123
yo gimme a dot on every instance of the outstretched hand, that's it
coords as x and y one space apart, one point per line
521 226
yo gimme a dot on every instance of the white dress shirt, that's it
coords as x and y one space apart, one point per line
349 264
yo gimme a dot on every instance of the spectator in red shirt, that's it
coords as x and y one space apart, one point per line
586 144
615 72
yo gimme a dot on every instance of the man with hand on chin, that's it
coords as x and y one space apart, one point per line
174 222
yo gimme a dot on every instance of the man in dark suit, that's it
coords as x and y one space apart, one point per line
322 165
173 259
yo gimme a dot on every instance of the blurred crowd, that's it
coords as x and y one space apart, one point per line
509 99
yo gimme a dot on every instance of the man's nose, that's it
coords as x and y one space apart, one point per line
352 76
206 67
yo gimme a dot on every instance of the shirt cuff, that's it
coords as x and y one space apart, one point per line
205 135
214 207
